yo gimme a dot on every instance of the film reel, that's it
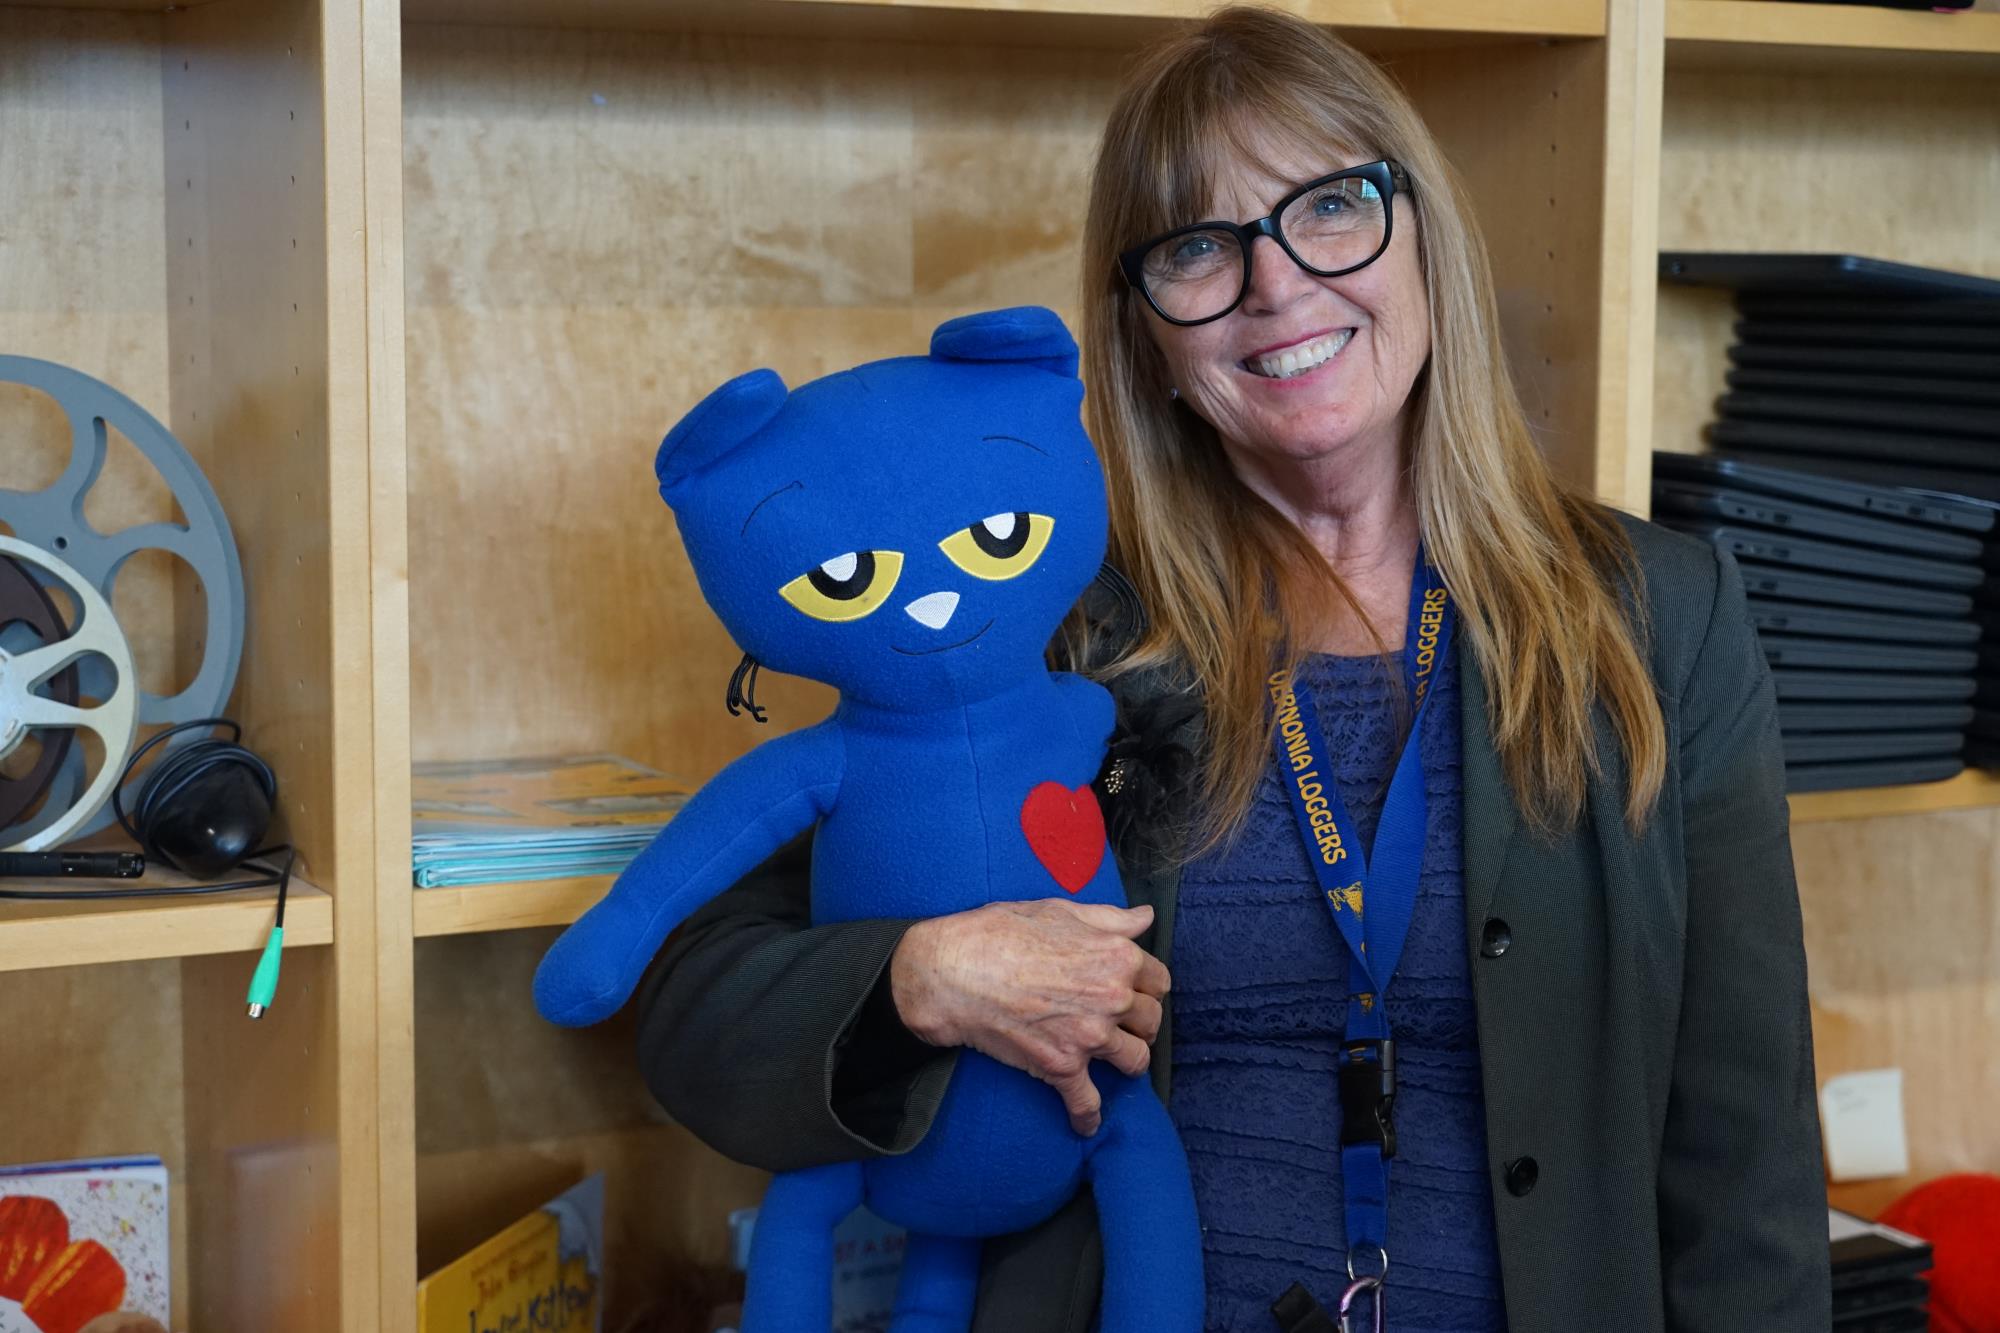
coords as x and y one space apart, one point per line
24 706
53 521
28 620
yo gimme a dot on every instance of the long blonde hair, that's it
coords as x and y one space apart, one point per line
1232 588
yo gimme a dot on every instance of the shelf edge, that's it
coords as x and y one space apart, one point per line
141 929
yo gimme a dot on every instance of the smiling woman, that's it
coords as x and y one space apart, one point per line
1458 797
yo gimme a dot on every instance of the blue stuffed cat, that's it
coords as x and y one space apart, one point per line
912 531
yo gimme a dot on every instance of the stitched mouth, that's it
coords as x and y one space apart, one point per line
926 652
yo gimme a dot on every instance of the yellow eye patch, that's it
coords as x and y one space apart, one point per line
1000 547
847 587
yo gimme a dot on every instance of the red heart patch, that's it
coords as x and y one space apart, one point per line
1065 830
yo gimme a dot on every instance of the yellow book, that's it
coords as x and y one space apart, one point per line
544 1274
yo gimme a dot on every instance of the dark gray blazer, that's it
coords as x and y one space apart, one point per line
1644 1040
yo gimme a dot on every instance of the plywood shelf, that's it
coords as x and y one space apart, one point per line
1066 22
1766 32
506 906
1970 790
68 934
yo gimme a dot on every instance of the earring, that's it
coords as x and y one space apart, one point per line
1172 392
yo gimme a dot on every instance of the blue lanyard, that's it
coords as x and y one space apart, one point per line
1385 878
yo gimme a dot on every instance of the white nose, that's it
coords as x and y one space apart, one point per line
933 610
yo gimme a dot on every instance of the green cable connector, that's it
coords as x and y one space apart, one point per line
264 982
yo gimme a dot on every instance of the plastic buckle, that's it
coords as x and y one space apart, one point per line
1297 1312
1368 1094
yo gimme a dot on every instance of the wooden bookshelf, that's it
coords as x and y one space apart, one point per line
421 283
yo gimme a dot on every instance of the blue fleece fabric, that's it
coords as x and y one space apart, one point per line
912 531
1259 1007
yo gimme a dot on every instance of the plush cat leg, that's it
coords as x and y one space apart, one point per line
1145 1206
791 1251
939 1283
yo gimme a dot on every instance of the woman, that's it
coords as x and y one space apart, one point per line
1594 1107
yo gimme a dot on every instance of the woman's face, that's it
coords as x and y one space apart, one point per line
1375 322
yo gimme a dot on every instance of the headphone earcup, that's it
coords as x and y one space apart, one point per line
212 822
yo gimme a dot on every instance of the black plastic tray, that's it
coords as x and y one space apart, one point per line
1881 414
1802 483
1845 274
1865 388
1840 747
1898 447
1871 773
1782 548
1727 504
1834 622
1794 718
1935 365
1797 650
1868 686
1957 484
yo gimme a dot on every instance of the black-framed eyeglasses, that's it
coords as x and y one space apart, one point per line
1334 225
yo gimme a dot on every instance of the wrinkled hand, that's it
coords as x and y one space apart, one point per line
1045 985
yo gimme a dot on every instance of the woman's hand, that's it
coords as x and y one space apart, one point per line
1045 985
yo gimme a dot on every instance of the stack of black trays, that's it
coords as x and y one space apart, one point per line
1889 375
1862 599
1878 1282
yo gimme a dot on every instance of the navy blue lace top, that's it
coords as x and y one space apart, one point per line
1260 1004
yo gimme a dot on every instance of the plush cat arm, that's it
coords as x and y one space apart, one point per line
741 816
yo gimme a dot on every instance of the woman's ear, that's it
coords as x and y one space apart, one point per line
1025 335
718 424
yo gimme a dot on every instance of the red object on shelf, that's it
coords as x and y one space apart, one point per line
32 1231
79 1284
1960 1216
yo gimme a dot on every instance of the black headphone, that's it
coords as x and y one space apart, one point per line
205 807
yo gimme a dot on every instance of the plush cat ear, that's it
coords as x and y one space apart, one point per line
1029 334
718 423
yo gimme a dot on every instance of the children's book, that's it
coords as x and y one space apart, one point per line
514 819
83 1239
545 1273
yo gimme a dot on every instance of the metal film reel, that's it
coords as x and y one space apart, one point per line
53 521
29 619
95 638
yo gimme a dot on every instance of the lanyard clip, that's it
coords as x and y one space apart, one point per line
1368 1093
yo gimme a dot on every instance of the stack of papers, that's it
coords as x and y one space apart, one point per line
521 819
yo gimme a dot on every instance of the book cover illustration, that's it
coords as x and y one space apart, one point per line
544 1273
80 1241
867 1263
509 819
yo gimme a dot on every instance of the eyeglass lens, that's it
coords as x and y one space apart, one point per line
1200 274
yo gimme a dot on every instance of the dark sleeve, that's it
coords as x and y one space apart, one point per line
1741 1191
776 1041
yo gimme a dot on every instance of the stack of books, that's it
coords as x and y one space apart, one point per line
1862 597
529 819
1878 1282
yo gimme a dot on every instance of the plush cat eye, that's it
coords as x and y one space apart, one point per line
1000 546
847 587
